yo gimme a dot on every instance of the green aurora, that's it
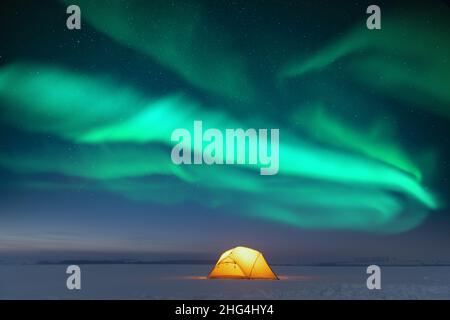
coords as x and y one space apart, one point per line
333 174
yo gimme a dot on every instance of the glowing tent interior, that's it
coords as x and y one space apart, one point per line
242 263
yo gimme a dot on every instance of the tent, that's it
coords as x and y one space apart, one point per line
242 263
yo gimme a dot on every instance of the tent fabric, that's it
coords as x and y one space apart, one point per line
242 263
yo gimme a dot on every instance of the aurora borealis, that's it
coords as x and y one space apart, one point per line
363 115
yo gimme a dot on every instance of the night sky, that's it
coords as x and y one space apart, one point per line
86 118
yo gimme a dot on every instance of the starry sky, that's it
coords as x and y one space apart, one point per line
87 115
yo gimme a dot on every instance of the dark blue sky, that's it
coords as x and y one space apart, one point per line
64 197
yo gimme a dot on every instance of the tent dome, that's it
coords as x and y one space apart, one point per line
242 263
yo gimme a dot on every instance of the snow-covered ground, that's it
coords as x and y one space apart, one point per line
188 282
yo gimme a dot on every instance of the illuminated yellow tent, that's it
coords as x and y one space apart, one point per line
242 263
